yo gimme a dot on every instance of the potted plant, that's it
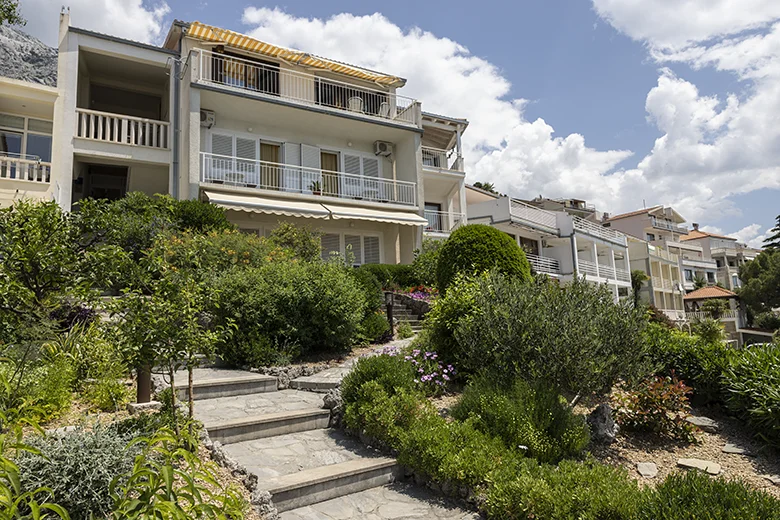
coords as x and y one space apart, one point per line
316 188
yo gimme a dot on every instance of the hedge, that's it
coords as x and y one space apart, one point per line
393 276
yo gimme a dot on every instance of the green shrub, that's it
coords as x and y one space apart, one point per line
391 373
392 276
572 336
199 216
374 326
300 241
44 384
404 330
425 260
286 308
476 248
536 418
710 330
698 363
78 468
695 495
767 320
752 389
658 405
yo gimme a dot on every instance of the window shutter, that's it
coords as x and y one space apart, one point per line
351 185
222 144
310 158
219 168
371 250
246 167
371 187
292 176
331 242
353 249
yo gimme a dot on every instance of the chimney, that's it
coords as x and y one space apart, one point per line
695 226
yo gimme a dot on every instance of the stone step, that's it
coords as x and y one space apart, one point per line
268 425
213 387
321 381
316 485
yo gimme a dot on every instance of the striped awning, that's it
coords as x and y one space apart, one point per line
404 218
255 204
209 33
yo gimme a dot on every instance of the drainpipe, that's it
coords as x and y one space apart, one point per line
176 122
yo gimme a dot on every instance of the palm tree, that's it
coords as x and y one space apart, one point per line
699 282
638 277
487 186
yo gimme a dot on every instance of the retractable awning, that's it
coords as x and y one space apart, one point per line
257 204
408 218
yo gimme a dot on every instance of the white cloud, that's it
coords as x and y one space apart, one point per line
751 235
132 19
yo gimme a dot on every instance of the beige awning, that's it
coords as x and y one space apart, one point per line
408 218
257 204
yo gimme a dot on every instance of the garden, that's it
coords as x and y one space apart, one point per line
492 403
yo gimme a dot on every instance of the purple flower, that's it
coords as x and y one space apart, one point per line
420 370
446 377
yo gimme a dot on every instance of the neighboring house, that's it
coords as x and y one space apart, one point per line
663 287
577 207
726 252
557 243
733 319
268 133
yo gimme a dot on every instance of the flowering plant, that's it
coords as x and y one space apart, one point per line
430 374
422 292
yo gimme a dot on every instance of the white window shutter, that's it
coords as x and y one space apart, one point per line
246 167
371 250
292 176
310 174
351 185
353 249
222 144
331 243
220 167
371 188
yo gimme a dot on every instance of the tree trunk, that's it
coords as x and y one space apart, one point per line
191 396
143 393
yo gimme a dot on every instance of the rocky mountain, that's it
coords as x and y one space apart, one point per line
26 58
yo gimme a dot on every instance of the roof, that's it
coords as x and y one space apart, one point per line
431 115
209 33
696 234
712 291
125 41
632 213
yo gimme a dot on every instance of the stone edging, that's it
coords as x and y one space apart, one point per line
260 500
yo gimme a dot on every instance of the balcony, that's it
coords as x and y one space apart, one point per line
269 81
674 315
438 160
26 169
700 263
541 264
664 255
668 226
442 222
725 315
535 217
289 178
662 284
601 232
603 271
122 129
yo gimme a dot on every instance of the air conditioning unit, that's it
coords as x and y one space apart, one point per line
383 148
207 118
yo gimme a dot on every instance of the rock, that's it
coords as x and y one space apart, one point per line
704 423
64 430
333 402
647 469
263 505
733 449
774 479
159 383
713 468
602 425
26 58
134 408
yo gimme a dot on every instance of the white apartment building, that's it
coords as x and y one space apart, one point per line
268 133
726 252
557 243
663 287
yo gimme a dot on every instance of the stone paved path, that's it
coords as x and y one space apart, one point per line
210 411
393 502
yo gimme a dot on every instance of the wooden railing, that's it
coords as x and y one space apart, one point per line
24 169
121 129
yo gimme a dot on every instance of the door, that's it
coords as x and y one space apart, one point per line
329 162
270 171
434 217
106 182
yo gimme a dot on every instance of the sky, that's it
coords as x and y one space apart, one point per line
624 103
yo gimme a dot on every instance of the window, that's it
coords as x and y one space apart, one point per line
719 263
688 275
356 249
734 281
711 277
650 237
434 217
529 246
24 137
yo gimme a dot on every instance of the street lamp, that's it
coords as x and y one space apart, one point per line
389 307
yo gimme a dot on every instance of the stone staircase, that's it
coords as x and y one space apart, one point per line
310 470
404 314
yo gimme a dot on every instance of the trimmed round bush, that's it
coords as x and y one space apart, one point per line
476 248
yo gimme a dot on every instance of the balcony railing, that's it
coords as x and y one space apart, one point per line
534 216
674 315
18 168
439 159
669 226
542 264
601 232
725 315
587 267
121 129
606 271
665 255
662 283
290 178
269 80
623 275
442 222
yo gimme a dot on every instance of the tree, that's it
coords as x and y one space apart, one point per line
486 186
10 13
773 241
761 282
301 241
699 282
715 307
638 277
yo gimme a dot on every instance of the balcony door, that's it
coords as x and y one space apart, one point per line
331 182
361 179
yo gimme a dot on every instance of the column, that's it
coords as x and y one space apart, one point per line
65 114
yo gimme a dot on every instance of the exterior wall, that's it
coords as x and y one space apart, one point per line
148 179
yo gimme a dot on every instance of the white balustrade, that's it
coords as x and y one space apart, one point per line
439 159
598 231
121 129
542 264
587 267
442 222
623 275
269 80
290 178
700 315
17 168
662 224
606 271
533 215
